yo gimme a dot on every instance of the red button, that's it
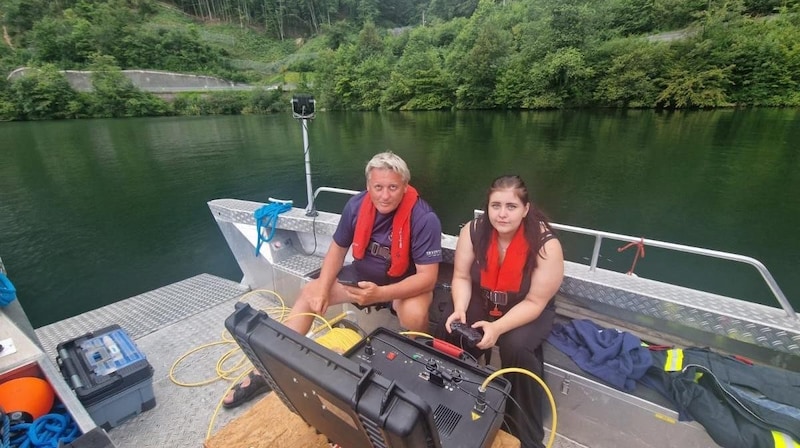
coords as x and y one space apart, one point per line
390 356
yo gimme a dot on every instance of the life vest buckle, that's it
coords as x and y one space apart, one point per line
380 251
496 297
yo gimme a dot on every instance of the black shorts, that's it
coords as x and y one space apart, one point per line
349 272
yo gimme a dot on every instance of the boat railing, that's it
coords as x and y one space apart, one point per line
599 235
334 190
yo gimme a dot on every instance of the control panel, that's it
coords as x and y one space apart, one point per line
449 385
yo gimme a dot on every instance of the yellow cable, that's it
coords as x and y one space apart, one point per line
494 375
268 291
337 339
182 357
242 363
330 323
308 314
416 333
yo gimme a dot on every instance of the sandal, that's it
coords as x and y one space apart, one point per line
258 385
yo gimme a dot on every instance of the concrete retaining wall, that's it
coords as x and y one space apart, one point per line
149 81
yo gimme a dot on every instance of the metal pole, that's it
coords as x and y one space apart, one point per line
303 107
310 211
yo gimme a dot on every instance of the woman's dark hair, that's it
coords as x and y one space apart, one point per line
533 223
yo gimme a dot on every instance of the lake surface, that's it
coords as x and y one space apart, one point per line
95 211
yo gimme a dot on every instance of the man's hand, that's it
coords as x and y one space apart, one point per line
365 294
317 296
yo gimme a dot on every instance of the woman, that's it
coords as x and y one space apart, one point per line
508 267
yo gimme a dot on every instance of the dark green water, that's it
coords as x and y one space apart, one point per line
94 211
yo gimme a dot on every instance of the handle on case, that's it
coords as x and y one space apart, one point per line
69 370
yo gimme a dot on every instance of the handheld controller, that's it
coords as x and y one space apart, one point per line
472 335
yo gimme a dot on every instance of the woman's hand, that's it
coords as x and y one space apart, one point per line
490 334
457 316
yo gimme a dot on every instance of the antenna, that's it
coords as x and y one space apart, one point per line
303 108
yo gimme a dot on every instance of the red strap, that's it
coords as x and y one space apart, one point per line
363 230
447 348
401 231
506 276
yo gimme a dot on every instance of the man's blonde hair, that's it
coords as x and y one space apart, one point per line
389 161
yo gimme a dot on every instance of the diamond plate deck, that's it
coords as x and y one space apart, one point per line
167 323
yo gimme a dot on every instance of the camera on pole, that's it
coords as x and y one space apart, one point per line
304 108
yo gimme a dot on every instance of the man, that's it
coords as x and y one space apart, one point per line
397 246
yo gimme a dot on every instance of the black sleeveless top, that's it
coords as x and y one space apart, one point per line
513 298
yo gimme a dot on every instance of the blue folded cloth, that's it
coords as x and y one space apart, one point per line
616 357
7 291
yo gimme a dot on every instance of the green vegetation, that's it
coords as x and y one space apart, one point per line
403 54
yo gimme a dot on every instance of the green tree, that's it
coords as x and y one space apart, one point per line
632 16
265 101
696 77
419 80
674 14
8 109
513 84
370 42
355 76
326 72
368 10
561 79
449 9
114 95
629 71
19 15
568 24
42 94
371 80
765 60
477 56
337 34
694 89
51 39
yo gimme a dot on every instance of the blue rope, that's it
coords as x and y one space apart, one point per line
267 216
7 291
47 431
5 430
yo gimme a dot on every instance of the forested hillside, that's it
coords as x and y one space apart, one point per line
404 54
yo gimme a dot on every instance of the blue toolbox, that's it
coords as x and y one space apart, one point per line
108 373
